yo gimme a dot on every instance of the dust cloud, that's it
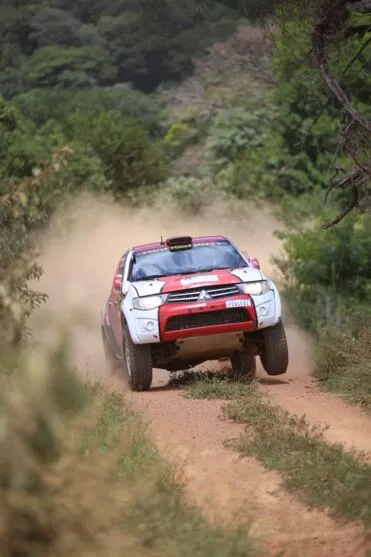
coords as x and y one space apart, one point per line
81 247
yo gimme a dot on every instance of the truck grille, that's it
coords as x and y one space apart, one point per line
207 318
192 294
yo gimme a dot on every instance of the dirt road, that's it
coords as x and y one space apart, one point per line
78 270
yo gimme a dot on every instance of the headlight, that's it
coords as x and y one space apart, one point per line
254 288
148 302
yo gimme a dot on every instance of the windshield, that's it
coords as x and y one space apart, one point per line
201 258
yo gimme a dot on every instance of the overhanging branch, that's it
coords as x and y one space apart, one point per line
350 31
353 202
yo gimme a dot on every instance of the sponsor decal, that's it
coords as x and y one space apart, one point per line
196 280
237 303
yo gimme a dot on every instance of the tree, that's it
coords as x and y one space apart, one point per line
338 28
54 27
80 67
129 158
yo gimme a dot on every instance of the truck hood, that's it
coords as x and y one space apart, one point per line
197 280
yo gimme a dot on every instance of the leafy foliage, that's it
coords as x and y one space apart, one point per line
235 130
129 158
43 106
38 170
328 274
70 44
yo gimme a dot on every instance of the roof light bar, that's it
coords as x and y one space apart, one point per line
179 243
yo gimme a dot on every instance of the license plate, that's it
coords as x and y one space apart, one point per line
238 303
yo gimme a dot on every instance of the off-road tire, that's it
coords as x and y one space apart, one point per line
243 365
112 364
139 376
275 355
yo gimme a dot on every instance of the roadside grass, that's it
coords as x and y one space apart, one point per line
157 516
209 384
322 474
344 364
79 476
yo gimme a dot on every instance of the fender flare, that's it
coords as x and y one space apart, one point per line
126 319
278 304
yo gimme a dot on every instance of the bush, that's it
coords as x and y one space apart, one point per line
42 105
327 273
233 131
187 194
129 158
343 359
178 137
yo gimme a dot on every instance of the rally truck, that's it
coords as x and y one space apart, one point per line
179 302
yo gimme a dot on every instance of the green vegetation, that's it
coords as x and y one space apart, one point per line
55 500
343 362
80 45
327 279
321 473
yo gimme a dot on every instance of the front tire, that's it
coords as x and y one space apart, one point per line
137 363
275 355
244 365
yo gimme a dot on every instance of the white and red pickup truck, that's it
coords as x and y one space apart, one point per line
180 302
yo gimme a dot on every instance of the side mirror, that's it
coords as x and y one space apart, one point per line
254 262
125 287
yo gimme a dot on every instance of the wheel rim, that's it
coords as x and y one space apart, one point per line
127 358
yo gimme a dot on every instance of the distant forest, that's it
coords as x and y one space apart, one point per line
87 43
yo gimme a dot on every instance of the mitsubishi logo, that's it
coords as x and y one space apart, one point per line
204 296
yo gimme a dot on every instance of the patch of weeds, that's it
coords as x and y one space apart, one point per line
154 514
214 388
322 473
343 363
108 425
223 385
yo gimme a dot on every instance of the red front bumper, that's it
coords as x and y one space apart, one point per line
179 321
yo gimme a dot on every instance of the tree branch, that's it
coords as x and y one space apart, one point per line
353 202
348 32
334 24
350 64
355 178
319 51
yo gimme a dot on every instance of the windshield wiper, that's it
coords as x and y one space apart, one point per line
209 270
152 277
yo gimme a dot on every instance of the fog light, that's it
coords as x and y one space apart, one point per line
263 311
150 325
